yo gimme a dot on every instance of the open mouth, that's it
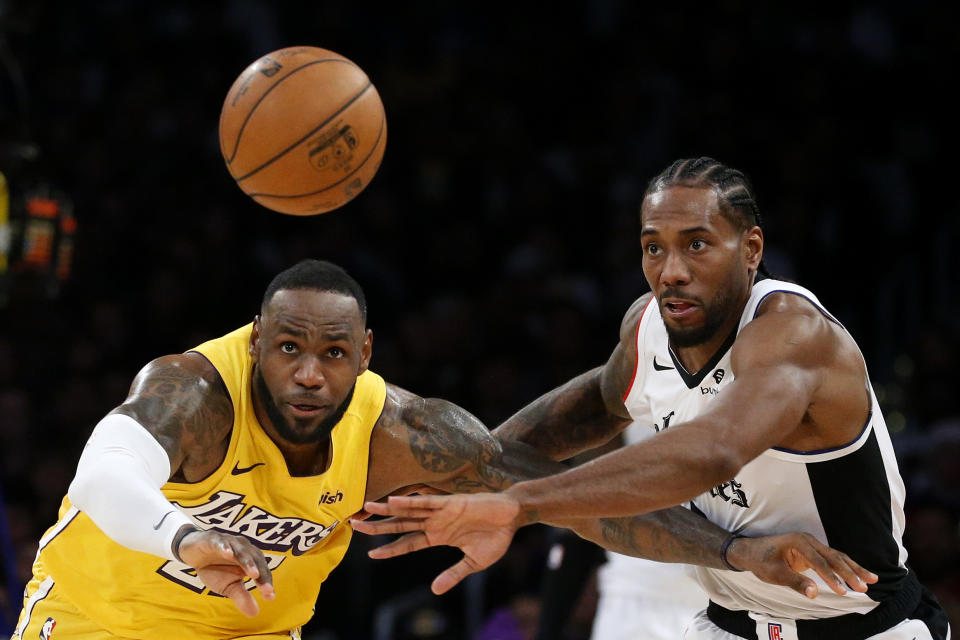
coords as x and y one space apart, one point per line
305 410
679 308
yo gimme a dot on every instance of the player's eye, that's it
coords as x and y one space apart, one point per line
288 347
337 352
698 244
652 248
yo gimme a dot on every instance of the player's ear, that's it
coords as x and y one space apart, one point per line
366 351
254 346
753 247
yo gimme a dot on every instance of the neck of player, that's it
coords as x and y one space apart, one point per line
303 459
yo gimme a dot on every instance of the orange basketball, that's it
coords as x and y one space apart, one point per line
302 130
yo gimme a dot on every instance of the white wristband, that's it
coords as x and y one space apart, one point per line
118 484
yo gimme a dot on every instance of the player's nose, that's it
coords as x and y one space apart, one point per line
675 270
309 373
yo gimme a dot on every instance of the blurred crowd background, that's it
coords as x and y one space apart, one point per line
498 244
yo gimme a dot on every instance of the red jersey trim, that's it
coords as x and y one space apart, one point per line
636 339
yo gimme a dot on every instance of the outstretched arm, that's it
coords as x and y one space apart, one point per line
670 535
174 423
782 358
482 526
586 411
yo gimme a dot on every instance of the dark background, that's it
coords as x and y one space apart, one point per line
498 244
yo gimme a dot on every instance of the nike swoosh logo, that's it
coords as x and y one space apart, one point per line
156 527
659 367
237 470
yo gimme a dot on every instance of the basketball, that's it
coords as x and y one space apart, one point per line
302 130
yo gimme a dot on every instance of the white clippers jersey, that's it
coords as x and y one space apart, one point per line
849 497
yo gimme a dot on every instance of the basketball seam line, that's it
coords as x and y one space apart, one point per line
376 143
309 133
236 144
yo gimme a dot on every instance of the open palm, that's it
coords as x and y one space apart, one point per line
482 526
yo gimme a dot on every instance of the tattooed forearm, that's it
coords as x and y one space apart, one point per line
445 438
669 535
565 421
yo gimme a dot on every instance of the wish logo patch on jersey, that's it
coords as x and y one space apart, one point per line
46 631
329 497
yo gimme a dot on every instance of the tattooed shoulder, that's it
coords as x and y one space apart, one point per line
444 440
183 402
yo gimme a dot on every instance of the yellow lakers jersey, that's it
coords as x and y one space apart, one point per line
300 523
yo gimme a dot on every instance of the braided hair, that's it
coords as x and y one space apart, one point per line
738 204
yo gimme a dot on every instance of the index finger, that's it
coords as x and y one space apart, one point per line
405 506
390 525
255 566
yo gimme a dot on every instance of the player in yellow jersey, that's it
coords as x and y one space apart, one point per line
233 470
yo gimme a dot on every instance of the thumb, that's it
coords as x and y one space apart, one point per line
452 577
802 585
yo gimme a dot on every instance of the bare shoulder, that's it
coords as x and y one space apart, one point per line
184 403
618 372
628 327
790 327
792 341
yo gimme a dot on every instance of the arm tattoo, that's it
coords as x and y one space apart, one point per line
446 440
186 412
669 535
565 421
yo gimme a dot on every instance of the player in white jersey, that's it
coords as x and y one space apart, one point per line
640 598
766 421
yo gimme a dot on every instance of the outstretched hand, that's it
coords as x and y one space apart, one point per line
223 562
782 560
481 525
419 488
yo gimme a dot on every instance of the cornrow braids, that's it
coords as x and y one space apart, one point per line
734 191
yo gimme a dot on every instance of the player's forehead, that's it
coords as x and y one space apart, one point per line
680 207
312 314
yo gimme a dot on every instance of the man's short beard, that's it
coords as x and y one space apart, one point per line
714 315
320 433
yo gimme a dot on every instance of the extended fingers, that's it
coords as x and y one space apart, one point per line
399 510
407 544
252 561
855 576
390 525
806 554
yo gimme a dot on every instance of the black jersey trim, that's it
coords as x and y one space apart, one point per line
852 495
850 625
693 380
866 425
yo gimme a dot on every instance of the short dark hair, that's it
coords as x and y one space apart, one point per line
318 275
734 191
